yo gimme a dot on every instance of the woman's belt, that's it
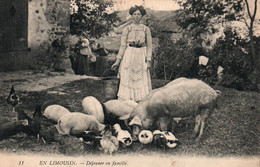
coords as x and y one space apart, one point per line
136 45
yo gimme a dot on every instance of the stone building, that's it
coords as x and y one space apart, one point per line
34 34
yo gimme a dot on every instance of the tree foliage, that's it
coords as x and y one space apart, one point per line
172 60
236 55
196 15
92 18
153 23
232 53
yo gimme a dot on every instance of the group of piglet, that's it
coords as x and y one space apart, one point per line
101 123
118 123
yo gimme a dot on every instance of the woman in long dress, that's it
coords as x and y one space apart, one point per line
134 58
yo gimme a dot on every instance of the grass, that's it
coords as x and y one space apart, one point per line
232 129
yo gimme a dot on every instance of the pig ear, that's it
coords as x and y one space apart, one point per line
136 121
125 117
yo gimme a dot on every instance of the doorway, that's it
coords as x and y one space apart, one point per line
13 35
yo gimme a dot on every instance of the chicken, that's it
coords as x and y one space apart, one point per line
108 142
39 116
13 98
33 127
37 124
90 137
43 127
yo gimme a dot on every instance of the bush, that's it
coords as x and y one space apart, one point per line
205 73
171 60
51 54
174 60
231 53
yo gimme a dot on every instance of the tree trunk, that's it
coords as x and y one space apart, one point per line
252 46
253 54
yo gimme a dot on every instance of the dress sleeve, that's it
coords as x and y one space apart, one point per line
149 45
123 43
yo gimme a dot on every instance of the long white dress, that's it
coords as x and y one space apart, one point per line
135 51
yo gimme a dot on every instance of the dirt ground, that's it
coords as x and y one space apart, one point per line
232 130
34 80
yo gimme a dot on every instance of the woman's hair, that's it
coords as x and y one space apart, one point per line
135 8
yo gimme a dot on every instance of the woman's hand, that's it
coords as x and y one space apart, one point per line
116 64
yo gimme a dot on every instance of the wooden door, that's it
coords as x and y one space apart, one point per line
13 35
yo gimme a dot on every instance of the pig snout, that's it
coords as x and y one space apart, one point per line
127 141
147 123
163 123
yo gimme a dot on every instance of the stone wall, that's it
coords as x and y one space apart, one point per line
48 34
